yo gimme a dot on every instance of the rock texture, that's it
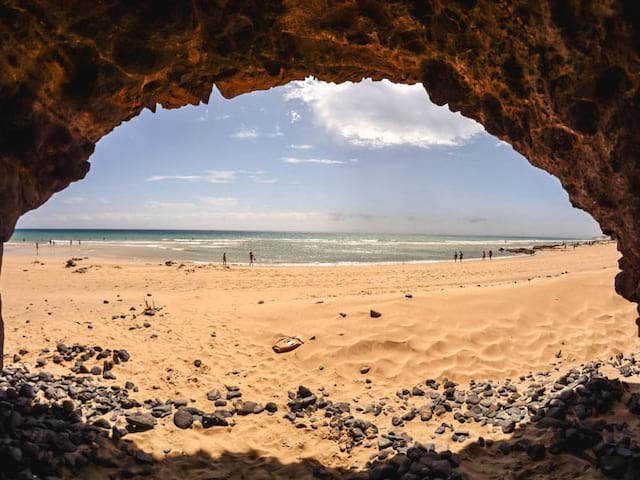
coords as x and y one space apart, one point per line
557 79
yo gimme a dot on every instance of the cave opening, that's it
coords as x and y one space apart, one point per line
315 174
555 80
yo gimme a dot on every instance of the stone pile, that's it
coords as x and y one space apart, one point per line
103 359
627 365
51 425
569 406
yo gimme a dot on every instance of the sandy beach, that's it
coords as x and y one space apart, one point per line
475 320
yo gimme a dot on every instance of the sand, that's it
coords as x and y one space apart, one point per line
479 319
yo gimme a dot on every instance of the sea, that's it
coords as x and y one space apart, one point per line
283 248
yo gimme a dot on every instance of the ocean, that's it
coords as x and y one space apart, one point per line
288 248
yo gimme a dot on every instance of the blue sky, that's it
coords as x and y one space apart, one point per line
312 156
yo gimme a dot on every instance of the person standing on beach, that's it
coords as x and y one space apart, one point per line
484 255
252 258
224 259
490 254
37 249
460 255
455 257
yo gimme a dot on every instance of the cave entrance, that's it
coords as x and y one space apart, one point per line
357 201
314 174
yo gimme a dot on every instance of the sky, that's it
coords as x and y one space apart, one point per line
312 156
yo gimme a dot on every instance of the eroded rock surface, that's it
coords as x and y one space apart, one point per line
557 79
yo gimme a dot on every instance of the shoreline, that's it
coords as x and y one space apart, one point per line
59 251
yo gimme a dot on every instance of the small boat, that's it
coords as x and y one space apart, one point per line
287 344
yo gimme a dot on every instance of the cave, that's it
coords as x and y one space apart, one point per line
558 80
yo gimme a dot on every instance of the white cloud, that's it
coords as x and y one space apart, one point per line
258 176
263 180
205 115
212 176
245 134
277 133
183 215
295 116
223 117
221 176
158 178
79 200
159 205
301 147
219 201
382 114
322 161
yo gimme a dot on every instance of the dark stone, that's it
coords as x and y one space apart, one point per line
141 421
214 395
508 426
612 465
246 408
183 419
233 394
214 420
536 451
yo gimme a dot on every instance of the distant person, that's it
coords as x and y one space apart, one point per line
490 254
79 242
461 255
71 242
224 259
484 254
455 257
37 249
252 258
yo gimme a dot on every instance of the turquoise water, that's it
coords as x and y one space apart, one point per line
273 247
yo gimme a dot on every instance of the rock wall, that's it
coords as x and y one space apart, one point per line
557 79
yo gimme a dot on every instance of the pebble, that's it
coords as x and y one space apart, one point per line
233 394
141 421
183 419
561 403
246 408
213 395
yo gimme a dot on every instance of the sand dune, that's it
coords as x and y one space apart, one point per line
474 320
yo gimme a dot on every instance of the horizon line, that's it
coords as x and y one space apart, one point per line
89 229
